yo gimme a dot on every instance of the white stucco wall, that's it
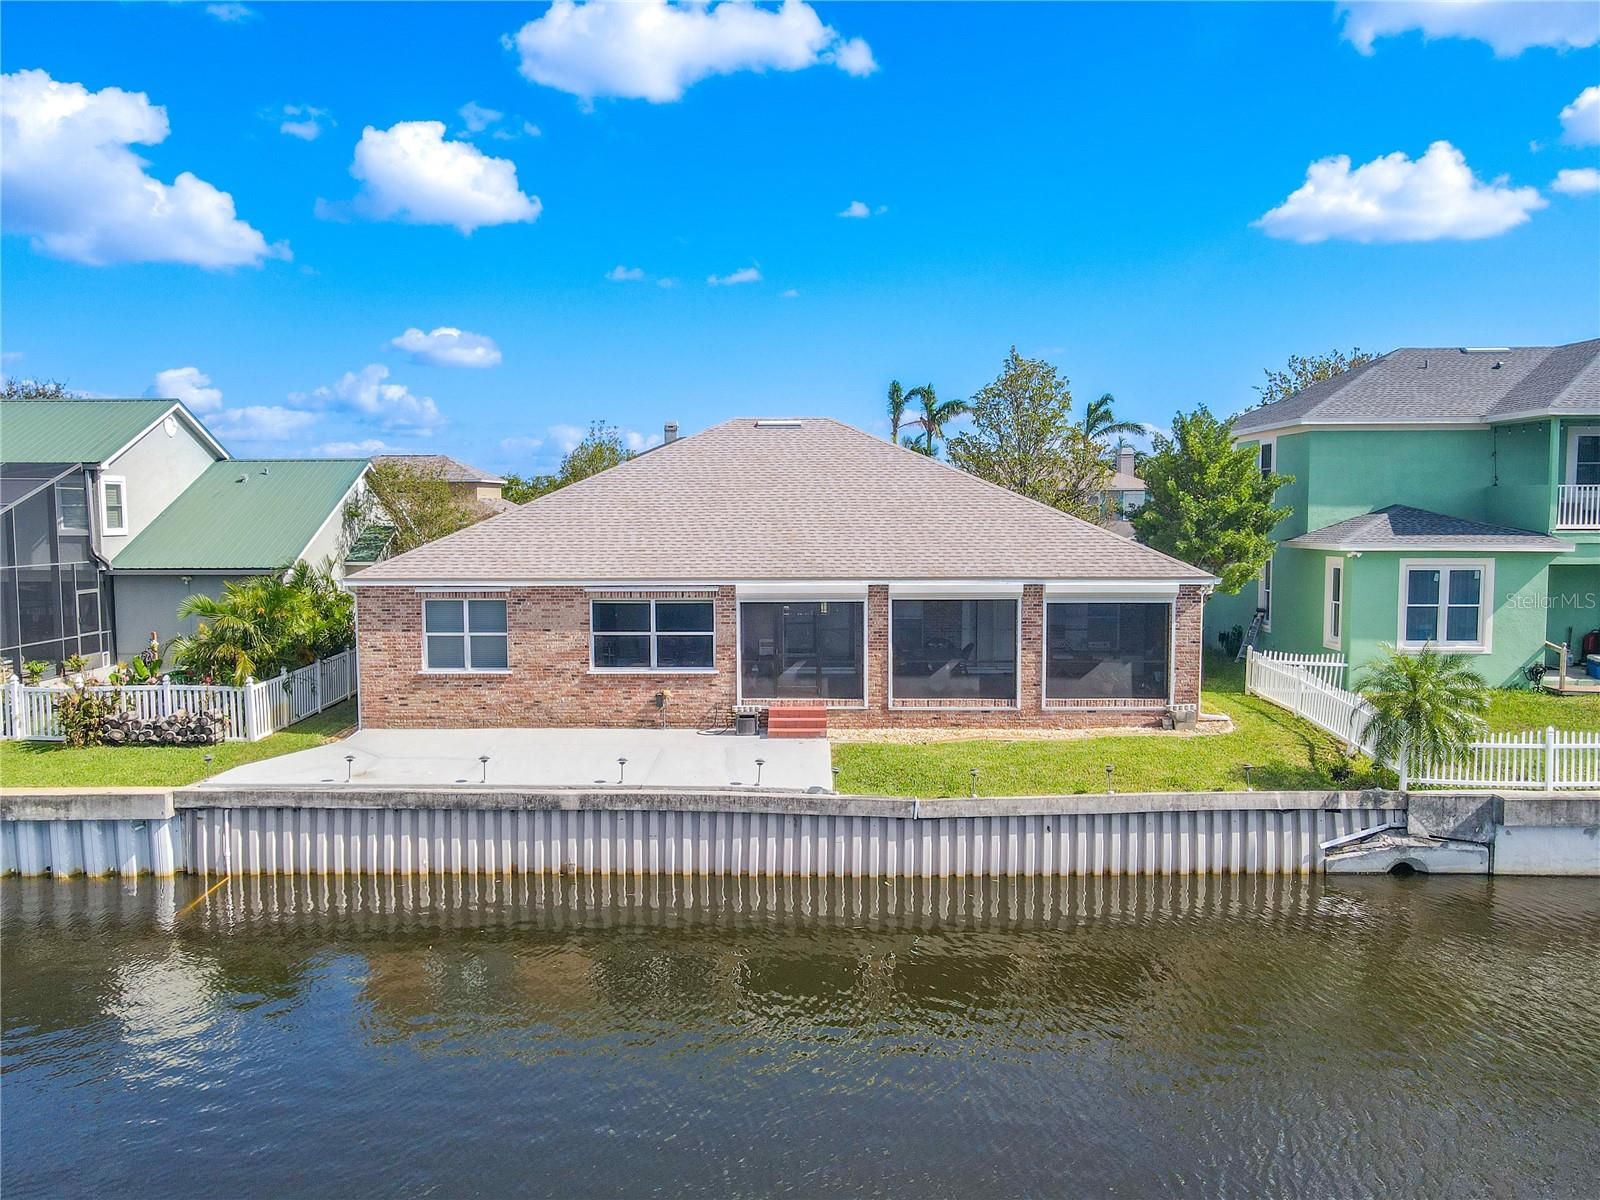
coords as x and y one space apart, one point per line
157 468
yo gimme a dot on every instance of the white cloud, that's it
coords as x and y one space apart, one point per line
477 117
742 275
1576 181
653 50
393 404
448 347
520 445
364 448
1393 199
622 274
69 179
532 130
410 173
636 441
856 209
566 437
231 13
1580 120
190 385
1509 26
304 121
261 423
788 293
666 281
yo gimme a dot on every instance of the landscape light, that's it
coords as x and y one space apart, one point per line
759 763
622 769
1248 767
483 761
1110 791
972 788
349 766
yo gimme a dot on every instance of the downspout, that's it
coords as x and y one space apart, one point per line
97 552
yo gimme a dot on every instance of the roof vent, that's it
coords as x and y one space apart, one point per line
786 423
242 479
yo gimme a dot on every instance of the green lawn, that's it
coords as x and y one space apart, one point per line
1285 753
1534 710
50 764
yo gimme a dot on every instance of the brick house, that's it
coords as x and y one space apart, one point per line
776 564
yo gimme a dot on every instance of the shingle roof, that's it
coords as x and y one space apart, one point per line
85 431
1398 527
1444 384
451 469
245 515
808 499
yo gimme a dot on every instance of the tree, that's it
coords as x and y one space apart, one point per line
599 450
1207 502
936 414
897 410
266 624
1023 438
1100 421
36 389
1303 371
420 504
1428 705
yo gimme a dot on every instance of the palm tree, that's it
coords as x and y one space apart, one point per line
1100 421
1427 705
936 414
897 410
263 624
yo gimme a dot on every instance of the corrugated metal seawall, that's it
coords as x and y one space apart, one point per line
378 842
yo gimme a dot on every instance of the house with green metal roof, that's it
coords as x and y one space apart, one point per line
1440 496
114 511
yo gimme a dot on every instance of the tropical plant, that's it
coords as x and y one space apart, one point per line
1303 370
897 410
1207 502
33 671
936 414
146 665
81 712
1100 420
74 664
1023 438
266 624
1426 704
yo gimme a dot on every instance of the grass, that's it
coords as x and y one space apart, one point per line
51 764
1516 711
1284 752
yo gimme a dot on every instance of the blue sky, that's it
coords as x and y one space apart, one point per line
1082 180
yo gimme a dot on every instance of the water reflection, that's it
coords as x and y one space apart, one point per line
731 1036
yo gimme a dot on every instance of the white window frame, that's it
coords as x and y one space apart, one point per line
1485 642
106 526
1573 434
1268 444
959 592
1333 605
1264 595
654 634
466 635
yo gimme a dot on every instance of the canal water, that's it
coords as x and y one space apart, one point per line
588 1037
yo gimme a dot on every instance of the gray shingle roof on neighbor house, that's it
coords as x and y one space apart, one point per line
452 470
781 499
1398 527
1418 386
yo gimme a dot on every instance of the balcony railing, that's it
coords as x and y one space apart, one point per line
1578 506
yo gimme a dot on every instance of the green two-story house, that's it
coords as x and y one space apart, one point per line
1443 496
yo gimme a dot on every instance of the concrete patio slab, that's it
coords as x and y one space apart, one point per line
657 758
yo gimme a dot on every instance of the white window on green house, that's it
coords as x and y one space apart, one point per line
1264 595
1446 604
464 635
1333 603
114 504
1264 453
1583 455
652 635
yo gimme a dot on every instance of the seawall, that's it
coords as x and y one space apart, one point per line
354 831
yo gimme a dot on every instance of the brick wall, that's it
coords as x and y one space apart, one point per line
550 684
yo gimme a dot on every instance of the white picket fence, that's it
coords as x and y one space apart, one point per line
253 711
1547 760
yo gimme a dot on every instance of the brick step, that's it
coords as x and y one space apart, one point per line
797 721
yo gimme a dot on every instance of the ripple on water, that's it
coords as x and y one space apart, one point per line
717 1037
